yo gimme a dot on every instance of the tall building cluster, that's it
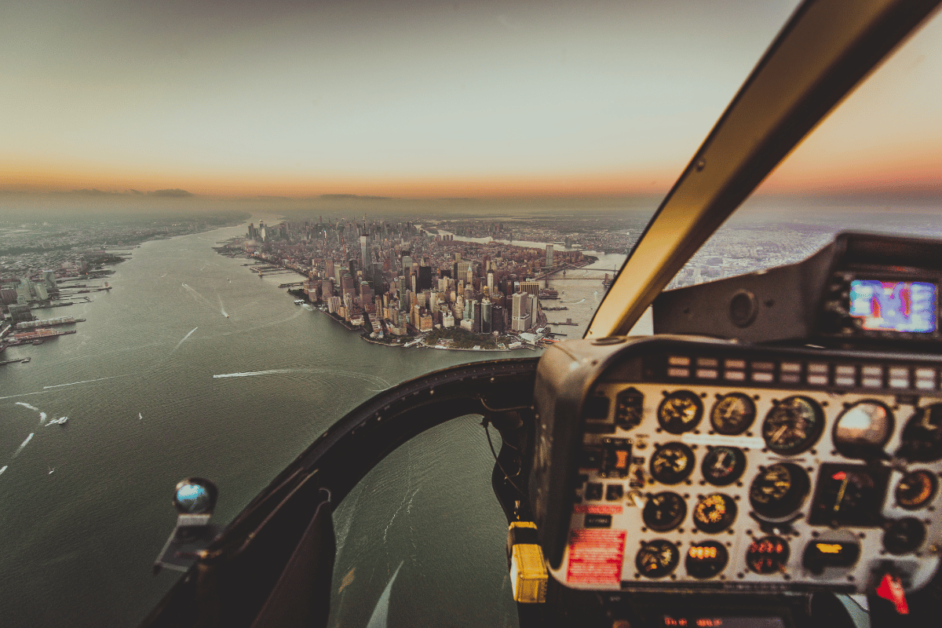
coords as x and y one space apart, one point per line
401 280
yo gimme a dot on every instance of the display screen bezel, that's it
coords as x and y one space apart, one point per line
888 329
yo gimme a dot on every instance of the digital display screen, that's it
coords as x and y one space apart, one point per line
697 621
906 306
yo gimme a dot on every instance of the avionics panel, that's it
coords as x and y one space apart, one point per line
900 306
863 288
725 468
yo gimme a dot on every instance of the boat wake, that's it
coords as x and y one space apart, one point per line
25 443
87 381
184 339
26 405
257 373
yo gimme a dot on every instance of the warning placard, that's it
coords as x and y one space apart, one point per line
595 556
597 510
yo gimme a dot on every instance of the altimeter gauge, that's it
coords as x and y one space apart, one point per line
732 414
680 412
793 425
723 465
714 513
657 558
664 511
779 490
672 463
916 489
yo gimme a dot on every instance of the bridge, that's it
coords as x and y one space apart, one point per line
579 273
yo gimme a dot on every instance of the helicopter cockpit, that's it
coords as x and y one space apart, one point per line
733 453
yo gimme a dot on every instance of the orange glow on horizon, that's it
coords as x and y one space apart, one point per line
916 173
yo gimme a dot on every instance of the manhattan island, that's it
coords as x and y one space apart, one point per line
399 285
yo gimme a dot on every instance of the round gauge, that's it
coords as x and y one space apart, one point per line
680 412
723 465
673 463
664 511
916 489
904 535
732 414
657 559
714 513
779 490
922 436
863 429
793 425
706 559
768 555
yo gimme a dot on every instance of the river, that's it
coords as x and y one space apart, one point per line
86 506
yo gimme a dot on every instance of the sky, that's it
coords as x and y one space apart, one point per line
423 98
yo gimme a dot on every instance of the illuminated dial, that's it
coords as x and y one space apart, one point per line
793 425
714 513
768 555
680 412
779 490
664 511
672 463
723 465
733 414
915 490
922 436
706 559
657 559
904 535
863 429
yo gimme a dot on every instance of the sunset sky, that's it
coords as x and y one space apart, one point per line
423 98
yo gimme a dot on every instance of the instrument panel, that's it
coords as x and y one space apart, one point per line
714 470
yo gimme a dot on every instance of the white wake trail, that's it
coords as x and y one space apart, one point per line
184 339
25 443
256 373
26 405
42 418
87 381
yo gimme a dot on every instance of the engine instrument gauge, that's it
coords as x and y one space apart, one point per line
779 490
714 513
664 511
672 463
706 559
657 558
916 489
849 495
904 535
922 436
629 408
680 412
768 555
793 425
723 465
732 414
863 429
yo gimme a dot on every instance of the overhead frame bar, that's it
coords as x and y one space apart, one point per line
823 52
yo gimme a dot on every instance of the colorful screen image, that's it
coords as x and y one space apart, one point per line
908 306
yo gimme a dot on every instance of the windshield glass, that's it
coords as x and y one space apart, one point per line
214 215
872 165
